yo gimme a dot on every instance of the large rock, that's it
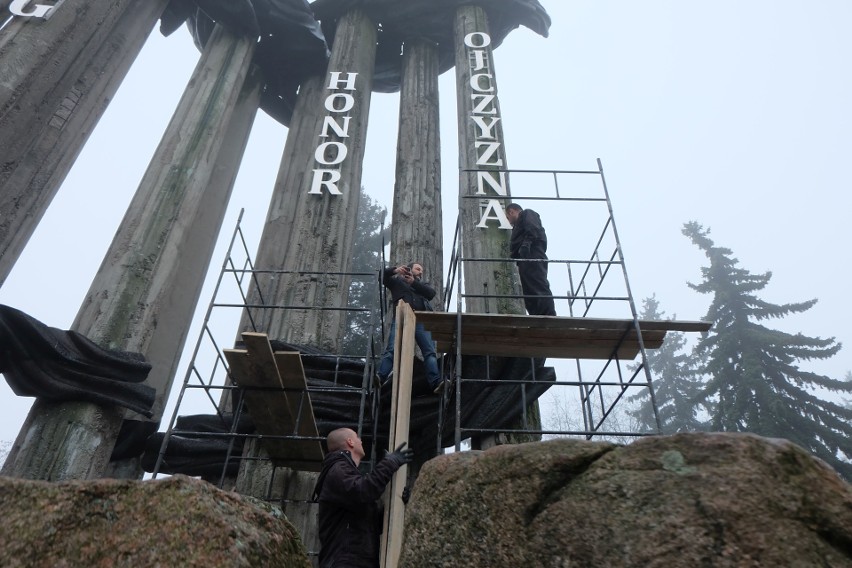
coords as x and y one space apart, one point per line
173 522
720 500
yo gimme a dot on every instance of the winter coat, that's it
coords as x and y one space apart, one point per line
528 237
349 517
417 294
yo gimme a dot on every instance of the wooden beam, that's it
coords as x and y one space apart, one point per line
403 366
274 410
543 336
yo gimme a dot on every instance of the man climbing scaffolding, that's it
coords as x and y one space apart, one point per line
405 285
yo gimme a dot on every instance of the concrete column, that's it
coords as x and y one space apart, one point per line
416 230
481 148
313 232
145 292
310 226
58 77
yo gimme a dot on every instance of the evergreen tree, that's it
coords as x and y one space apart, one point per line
364 290
755 383
675 379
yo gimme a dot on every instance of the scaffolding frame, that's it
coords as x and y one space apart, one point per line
587 280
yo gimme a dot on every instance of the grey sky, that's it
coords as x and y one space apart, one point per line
733 114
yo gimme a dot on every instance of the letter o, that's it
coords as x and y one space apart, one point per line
349 102
342 150
486 39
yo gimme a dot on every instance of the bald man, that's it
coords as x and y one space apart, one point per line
349 517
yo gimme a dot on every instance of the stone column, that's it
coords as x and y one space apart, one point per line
310 227
416 230
59 75
311 221
485 229
144 294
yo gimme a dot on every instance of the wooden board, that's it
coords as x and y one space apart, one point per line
543 336
403 366
275 410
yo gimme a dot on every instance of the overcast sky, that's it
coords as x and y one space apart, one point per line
733 114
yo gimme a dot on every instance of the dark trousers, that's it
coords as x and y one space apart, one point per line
534 283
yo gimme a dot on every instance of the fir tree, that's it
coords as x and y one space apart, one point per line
755 383
675 380
364 290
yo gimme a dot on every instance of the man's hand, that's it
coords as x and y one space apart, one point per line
524 251
401 456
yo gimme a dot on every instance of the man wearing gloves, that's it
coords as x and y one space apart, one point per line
529 242
349 517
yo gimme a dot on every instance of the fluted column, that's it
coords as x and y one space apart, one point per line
144 294
58 76
416 230
485 229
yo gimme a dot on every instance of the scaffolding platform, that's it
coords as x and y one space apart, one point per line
548 336
276 395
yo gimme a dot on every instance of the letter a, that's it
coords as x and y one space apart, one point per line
494 212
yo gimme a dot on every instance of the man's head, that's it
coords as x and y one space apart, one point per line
416 269
513 211
348 440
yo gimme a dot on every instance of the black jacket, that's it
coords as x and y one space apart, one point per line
349 517
528 237
417 294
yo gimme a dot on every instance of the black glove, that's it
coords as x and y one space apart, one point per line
524 251
406 494
401 456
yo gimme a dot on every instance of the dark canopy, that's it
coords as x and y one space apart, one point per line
293 45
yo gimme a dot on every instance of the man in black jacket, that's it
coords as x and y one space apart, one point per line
405 285
529 242
349 517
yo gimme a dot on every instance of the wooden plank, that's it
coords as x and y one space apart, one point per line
626 351
399 431
292 375
550 336
543 336
447 320
274 412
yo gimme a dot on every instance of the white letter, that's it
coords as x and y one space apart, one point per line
486 39
349 102
474 83
479 60
492 206
342 131
485 100
39 10
485 129
319 155
499 187
490 149
330 183
335 81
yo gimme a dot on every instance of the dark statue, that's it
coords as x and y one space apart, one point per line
58 365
